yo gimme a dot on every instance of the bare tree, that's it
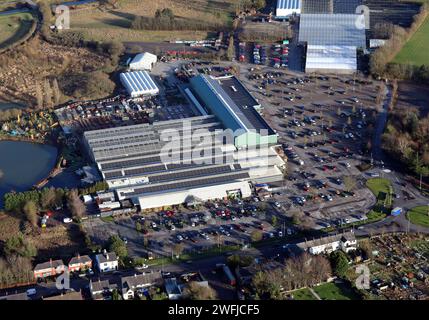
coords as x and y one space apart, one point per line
197 291
39 96
56 92
48 93
349 183
30 210
256 235
48 198
76 206
178 249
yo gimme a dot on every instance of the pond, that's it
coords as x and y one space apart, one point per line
10 105
22 164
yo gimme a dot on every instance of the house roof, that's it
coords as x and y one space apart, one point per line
103 285
80 260
49 264
139 280
106 257
326 240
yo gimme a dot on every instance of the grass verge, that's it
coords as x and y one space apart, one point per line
419 215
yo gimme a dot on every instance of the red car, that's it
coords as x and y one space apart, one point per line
169 213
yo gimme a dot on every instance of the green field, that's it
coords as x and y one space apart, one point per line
419 216
335 291
14 27
303 294
416 50
100 25
379 185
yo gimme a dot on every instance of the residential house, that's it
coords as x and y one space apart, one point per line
136 282
343 241
80 263
102 289
49 269
106 261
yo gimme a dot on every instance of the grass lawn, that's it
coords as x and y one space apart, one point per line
377 185
335 291
303 294
415 51
106 24
108 219
419 216
14 27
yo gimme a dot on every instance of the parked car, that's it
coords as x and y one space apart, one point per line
67 220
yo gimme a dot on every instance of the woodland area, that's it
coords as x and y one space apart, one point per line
407 138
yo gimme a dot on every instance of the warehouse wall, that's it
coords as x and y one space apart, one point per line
204 193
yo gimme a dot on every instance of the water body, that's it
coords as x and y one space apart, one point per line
10 105
23 164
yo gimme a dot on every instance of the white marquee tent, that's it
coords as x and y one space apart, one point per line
143 61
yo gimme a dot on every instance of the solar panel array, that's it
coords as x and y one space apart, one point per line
134 155
187 184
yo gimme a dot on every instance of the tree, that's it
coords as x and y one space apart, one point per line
30 209
349 183
197 291
259 4
19 246
39 95
56 92
138 227
76 206
93 85
48 198
256 235
117 245
116 295
15 269
239 260
48 93
366 247
339 263
178 249
274 221
268 284
230 50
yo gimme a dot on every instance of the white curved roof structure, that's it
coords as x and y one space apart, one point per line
143 61
139 83
286 8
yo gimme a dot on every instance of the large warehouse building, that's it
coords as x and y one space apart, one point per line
229 100
140 164
139 83
332 41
